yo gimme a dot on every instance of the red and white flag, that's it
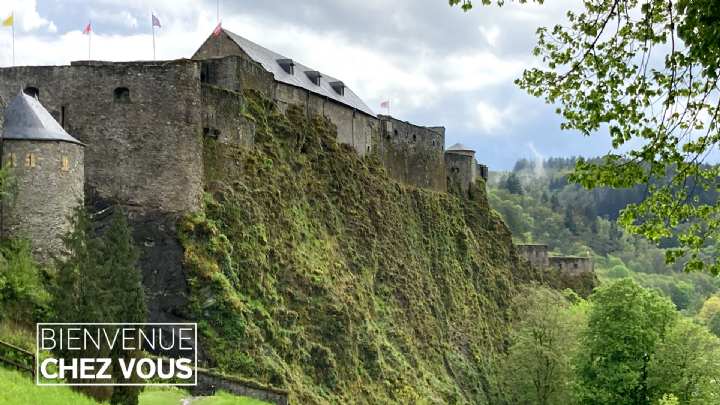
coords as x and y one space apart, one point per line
156 22
217 30
88 29
385 104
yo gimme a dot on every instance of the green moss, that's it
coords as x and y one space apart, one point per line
312 270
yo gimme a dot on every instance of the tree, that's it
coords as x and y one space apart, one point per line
686 363
714 325
22 293
538 366
512 184
646 74
120 264
710 308
99 281
79 283
625 324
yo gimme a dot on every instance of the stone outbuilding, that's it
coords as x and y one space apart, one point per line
47 176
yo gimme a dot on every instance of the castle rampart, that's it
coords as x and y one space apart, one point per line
413 154
141 122
572 264
560 272
536 254
222 117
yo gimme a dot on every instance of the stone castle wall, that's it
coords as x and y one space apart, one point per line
222 117
228 66
413 154
144 146
460 171
561 272
48 178
536 254
572 264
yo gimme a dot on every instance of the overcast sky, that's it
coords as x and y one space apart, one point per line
436 64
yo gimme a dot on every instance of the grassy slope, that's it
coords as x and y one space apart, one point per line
19 389
310 269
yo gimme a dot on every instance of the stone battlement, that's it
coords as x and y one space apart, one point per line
538 256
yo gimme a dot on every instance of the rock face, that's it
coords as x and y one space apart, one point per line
47 175
315 271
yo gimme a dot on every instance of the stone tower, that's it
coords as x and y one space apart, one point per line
460 166
47 172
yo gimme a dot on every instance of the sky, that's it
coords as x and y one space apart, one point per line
437 65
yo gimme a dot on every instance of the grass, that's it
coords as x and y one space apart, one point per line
311 270
19 389
223 398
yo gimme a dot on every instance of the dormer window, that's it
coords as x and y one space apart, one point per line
32 92
314 76
287 65
339 87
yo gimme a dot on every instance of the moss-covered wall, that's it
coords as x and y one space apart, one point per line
310 269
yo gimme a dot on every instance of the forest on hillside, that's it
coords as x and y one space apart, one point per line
540 205
649 334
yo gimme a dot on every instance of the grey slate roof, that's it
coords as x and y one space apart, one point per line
27 119
458 147
268 59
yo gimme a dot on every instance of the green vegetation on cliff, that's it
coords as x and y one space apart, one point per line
309 268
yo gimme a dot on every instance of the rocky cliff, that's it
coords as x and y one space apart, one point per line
310 268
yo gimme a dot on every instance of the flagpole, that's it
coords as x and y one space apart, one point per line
90 40
13 36
217 9
153 33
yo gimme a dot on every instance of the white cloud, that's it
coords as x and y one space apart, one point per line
26 15
490 119
490 34
459 76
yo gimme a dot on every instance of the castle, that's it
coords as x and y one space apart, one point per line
137 140
537 255
574 272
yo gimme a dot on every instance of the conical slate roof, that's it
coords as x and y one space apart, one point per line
27 119
458 147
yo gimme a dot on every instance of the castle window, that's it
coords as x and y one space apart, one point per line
414 138
12 160
65 164
287 65
314 76
208 72
30 160
121 95
32 92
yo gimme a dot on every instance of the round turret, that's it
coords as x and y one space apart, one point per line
460 149
47 172
460 167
